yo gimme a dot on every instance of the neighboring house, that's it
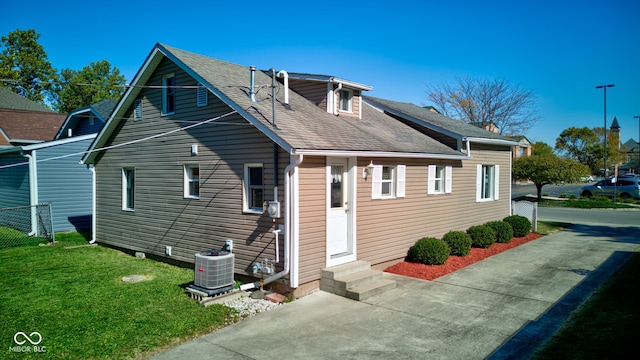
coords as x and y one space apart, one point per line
195 153
50 171
630 151
24 122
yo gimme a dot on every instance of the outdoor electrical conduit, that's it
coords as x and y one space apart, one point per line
288 237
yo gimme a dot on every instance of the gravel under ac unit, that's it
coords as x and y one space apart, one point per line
246 306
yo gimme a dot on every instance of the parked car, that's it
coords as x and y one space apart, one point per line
624 187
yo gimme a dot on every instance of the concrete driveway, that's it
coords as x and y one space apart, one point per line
502 307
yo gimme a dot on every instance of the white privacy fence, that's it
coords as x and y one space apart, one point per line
527 209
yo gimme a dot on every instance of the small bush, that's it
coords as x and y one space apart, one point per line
430 251
504 231
482 236
520 224
459 242
573 197
600 198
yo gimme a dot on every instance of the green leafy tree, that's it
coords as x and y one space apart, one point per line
96 82
487 103
581 145
24 66
547 169
540 148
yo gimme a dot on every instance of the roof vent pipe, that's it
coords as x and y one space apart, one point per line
285 76
252 84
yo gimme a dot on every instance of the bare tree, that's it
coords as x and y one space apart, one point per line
487 103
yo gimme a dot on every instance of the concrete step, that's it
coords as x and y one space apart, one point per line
355 280
345 269
367 290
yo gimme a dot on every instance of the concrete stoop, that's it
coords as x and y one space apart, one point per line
355 280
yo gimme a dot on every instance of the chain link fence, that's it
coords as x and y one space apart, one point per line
25 225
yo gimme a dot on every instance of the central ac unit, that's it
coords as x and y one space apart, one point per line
214 269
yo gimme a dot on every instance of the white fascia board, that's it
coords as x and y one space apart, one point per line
330 79
503 142
58 142
343 153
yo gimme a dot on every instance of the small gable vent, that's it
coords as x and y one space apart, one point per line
137 110
203 96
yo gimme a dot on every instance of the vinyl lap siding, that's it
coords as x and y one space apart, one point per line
162 216
388 228
314 91
312 188
67 185
14 181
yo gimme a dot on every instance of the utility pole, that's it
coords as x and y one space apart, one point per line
604 150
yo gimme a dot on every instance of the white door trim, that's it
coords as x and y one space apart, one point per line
350 211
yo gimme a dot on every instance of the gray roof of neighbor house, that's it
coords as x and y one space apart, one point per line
630 145
11 100
301 127
101 109
437 122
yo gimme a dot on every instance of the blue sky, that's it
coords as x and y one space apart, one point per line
558 49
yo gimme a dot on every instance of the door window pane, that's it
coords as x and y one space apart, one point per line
337 190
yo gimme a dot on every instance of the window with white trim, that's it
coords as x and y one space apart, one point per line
346 100
439 179
128 188
137 109
388 181
487 180
253 189
202 97
192 181
168 94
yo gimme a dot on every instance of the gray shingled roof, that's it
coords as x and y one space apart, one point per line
435 120
11 100
305 126
302 127
104 108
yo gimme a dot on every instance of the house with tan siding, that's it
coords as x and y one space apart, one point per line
299 169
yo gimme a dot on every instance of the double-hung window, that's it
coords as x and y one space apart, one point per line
388 181
253 189
439 179
128 188
487 180
346 100
168 94
192 181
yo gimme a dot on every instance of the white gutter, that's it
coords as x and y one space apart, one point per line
341 153
491 141
291 228
33 191
93 204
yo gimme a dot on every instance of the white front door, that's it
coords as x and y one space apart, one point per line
340 211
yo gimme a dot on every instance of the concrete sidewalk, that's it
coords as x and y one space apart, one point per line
502 307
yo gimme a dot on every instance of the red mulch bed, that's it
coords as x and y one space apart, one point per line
431 272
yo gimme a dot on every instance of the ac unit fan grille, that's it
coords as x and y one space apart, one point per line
213 271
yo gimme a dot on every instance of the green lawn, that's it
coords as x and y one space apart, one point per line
74 297
605 327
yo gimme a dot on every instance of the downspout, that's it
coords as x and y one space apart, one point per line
33 191
333 98
93 204
289 223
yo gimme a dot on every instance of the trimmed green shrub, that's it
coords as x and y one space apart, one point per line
459 242
482 236
520 224
504 230
430 251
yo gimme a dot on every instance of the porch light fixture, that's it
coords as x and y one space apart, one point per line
368 170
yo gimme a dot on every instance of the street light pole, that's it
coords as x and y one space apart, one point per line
638 117
604 150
